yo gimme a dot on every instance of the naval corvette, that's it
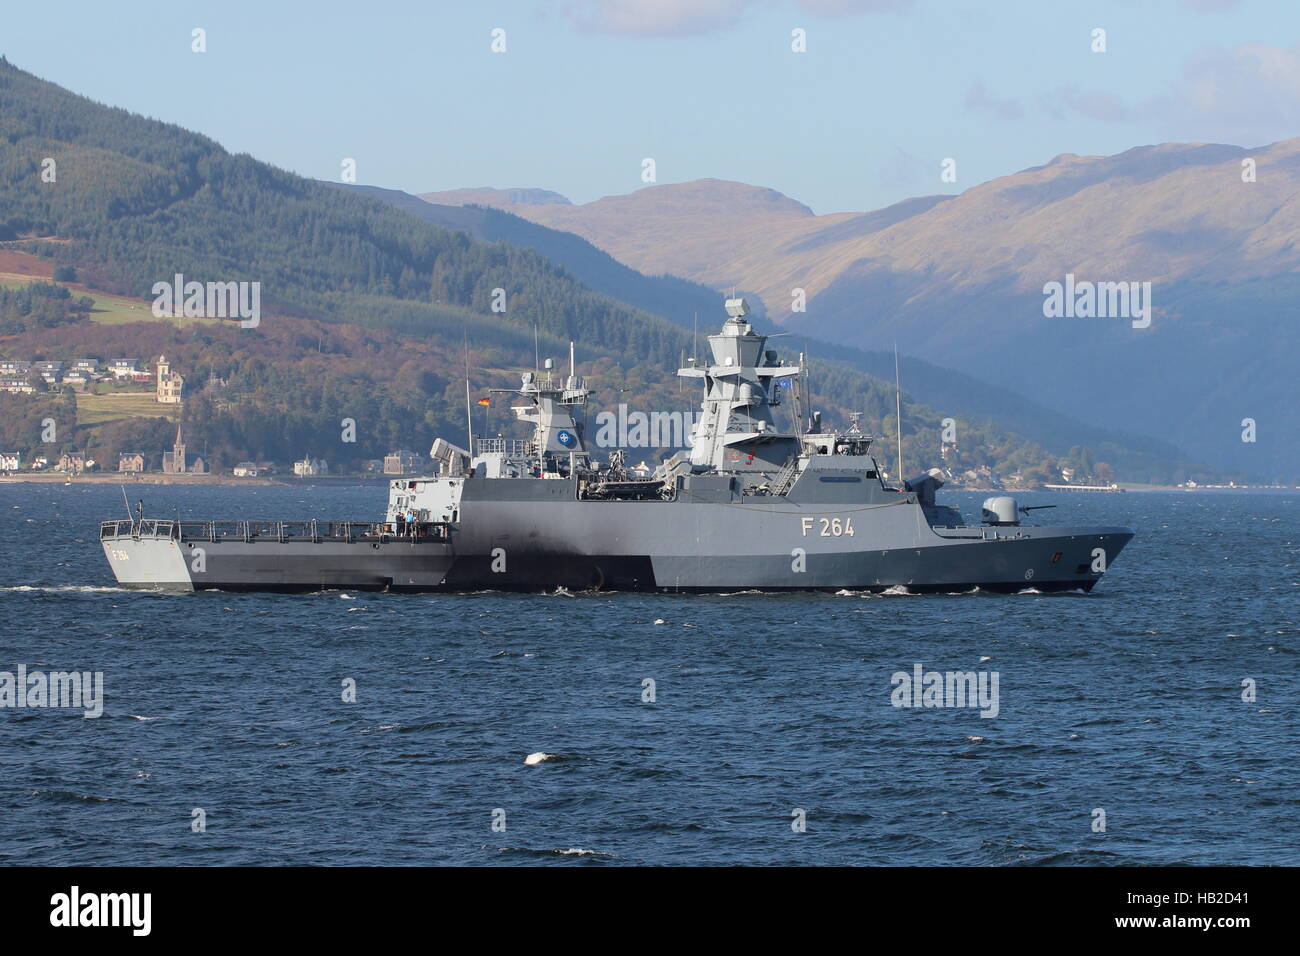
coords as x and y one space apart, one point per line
747 506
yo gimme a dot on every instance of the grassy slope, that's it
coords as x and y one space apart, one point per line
108 309
95 409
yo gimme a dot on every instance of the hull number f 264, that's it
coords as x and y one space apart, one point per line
827 527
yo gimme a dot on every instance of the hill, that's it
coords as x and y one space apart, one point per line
136 201
678 300
487 196
682 301
960 280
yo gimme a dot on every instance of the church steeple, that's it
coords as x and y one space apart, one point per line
178 452
174 460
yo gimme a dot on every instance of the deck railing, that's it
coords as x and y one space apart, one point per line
277 531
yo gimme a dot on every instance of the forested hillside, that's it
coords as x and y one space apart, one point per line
140 201
678 300
40 305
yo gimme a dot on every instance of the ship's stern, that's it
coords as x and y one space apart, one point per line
145 555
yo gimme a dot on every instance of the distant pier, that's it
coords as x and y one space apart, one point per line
1084 487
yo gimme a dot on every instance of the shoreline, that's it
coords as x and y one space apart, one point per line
114 478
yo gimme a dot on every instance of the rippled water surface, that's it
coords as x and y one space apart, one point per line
1128 700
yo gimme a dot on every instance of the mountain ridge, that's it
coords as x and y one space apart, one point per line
1215 229
940 386
143 200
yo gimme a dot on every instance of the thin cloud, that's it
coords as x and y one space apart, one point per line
1247 94
902 171
1250 92
676 18
851 8
1066 101
1208 6
980 100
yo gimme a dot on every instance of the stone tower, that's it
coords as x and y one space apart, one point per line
174 460
171 384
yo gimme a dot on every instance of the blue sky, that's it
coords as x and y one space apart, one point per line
708 88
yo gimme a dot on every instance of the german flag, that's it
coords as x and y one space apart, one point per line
485 401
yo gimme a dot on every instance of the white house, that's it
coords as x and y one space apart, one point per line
403 462
50 371
16 386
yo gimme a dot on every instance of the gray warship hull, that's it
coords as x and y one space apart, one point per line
749 506
540 538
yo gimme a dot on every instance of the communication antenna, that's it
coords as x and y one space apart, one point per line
898 415
801 423
573 383
537 361
469 414
807 380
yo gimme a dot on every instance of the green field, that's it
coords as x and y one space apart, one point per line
108 309
97 409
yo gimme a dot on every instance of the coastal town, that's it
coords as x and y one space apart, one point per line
161 386
165 386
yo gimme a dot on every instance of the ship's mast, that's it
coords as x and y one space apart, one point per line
554 403
469 416
898 415
571 383
801 424
736 432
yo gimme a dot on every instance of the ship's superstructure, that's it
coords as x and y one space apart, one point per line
753 504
